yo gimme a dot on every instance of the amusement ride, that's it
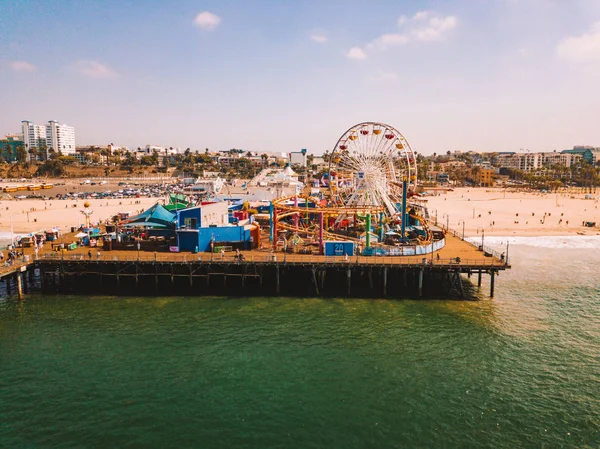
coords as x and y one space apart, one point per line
368 196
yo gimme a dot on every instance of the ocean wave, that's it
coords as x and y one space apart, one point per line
570 241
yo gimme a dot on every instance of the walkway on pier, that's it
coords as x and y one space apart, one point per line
455 248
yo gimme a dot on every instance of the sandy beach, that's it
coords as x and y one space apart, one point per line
497 212
31 215
513 213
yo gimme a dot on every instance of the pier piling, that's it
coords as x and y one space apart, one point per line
20 285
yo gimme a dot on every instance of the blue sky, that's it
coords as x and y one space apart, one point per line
487 75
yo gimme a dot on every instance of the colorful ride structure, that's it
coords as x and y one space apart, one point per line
368 198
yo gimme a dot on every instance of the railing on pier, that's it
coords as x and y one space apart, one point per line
7 268
268 258
472 241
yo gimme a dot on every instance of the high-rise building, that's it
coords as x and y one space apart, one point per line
34 136
51 136
60 137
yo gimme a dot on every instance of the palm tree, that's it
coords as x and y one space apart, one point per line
33 154
21 154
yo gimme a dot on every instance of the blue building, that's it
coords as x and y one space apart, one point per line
198 226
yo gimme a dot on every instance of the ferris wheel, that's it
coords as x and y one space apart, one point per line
368 166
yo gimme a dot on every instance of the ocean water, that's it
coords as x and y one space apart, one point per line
521 370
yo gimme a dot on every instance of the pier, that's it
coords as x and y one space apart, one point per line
261 273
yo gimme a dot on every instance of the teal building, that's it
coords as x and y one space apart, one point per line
589 154
8 148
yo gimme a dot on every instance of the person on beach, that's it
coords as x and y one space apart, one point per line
90 254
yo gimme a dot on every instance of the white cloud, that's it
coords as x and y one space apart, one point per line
356 53
436 29
95 69
22 66
584 48
425 26
318 38
422 15
388 40
207 20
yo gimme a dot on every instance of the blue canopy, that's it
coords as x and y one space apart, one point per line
155 217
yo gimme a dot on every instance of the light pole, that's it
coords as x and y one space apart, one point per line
463 223
447 221
482 236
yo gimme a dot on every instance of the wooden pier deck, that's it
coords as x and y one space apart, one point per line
261 272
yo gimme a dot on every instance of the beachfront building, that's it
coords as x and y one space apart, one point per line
591 155
534 162
9 147
60 137
34 136
54 135
561 159
485 177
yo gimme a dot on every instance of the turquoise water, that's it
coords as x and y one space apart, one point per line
522 370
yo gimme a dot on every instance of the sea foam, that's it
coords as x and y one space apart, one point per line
570 241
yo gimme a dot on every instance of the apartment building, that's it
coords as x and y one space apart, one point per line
54 135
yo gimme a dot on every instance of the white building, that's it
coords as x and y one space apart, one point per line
54 135
210 185
534 162
60 137
34 136
298 158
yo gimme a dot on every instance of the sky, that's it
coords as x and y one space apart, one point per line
483 75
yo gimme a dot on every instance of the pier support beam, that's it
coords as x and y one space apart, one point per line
492 274
314 280
421 282
384 276
479 279
26 278
20 285
349 280
277 277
